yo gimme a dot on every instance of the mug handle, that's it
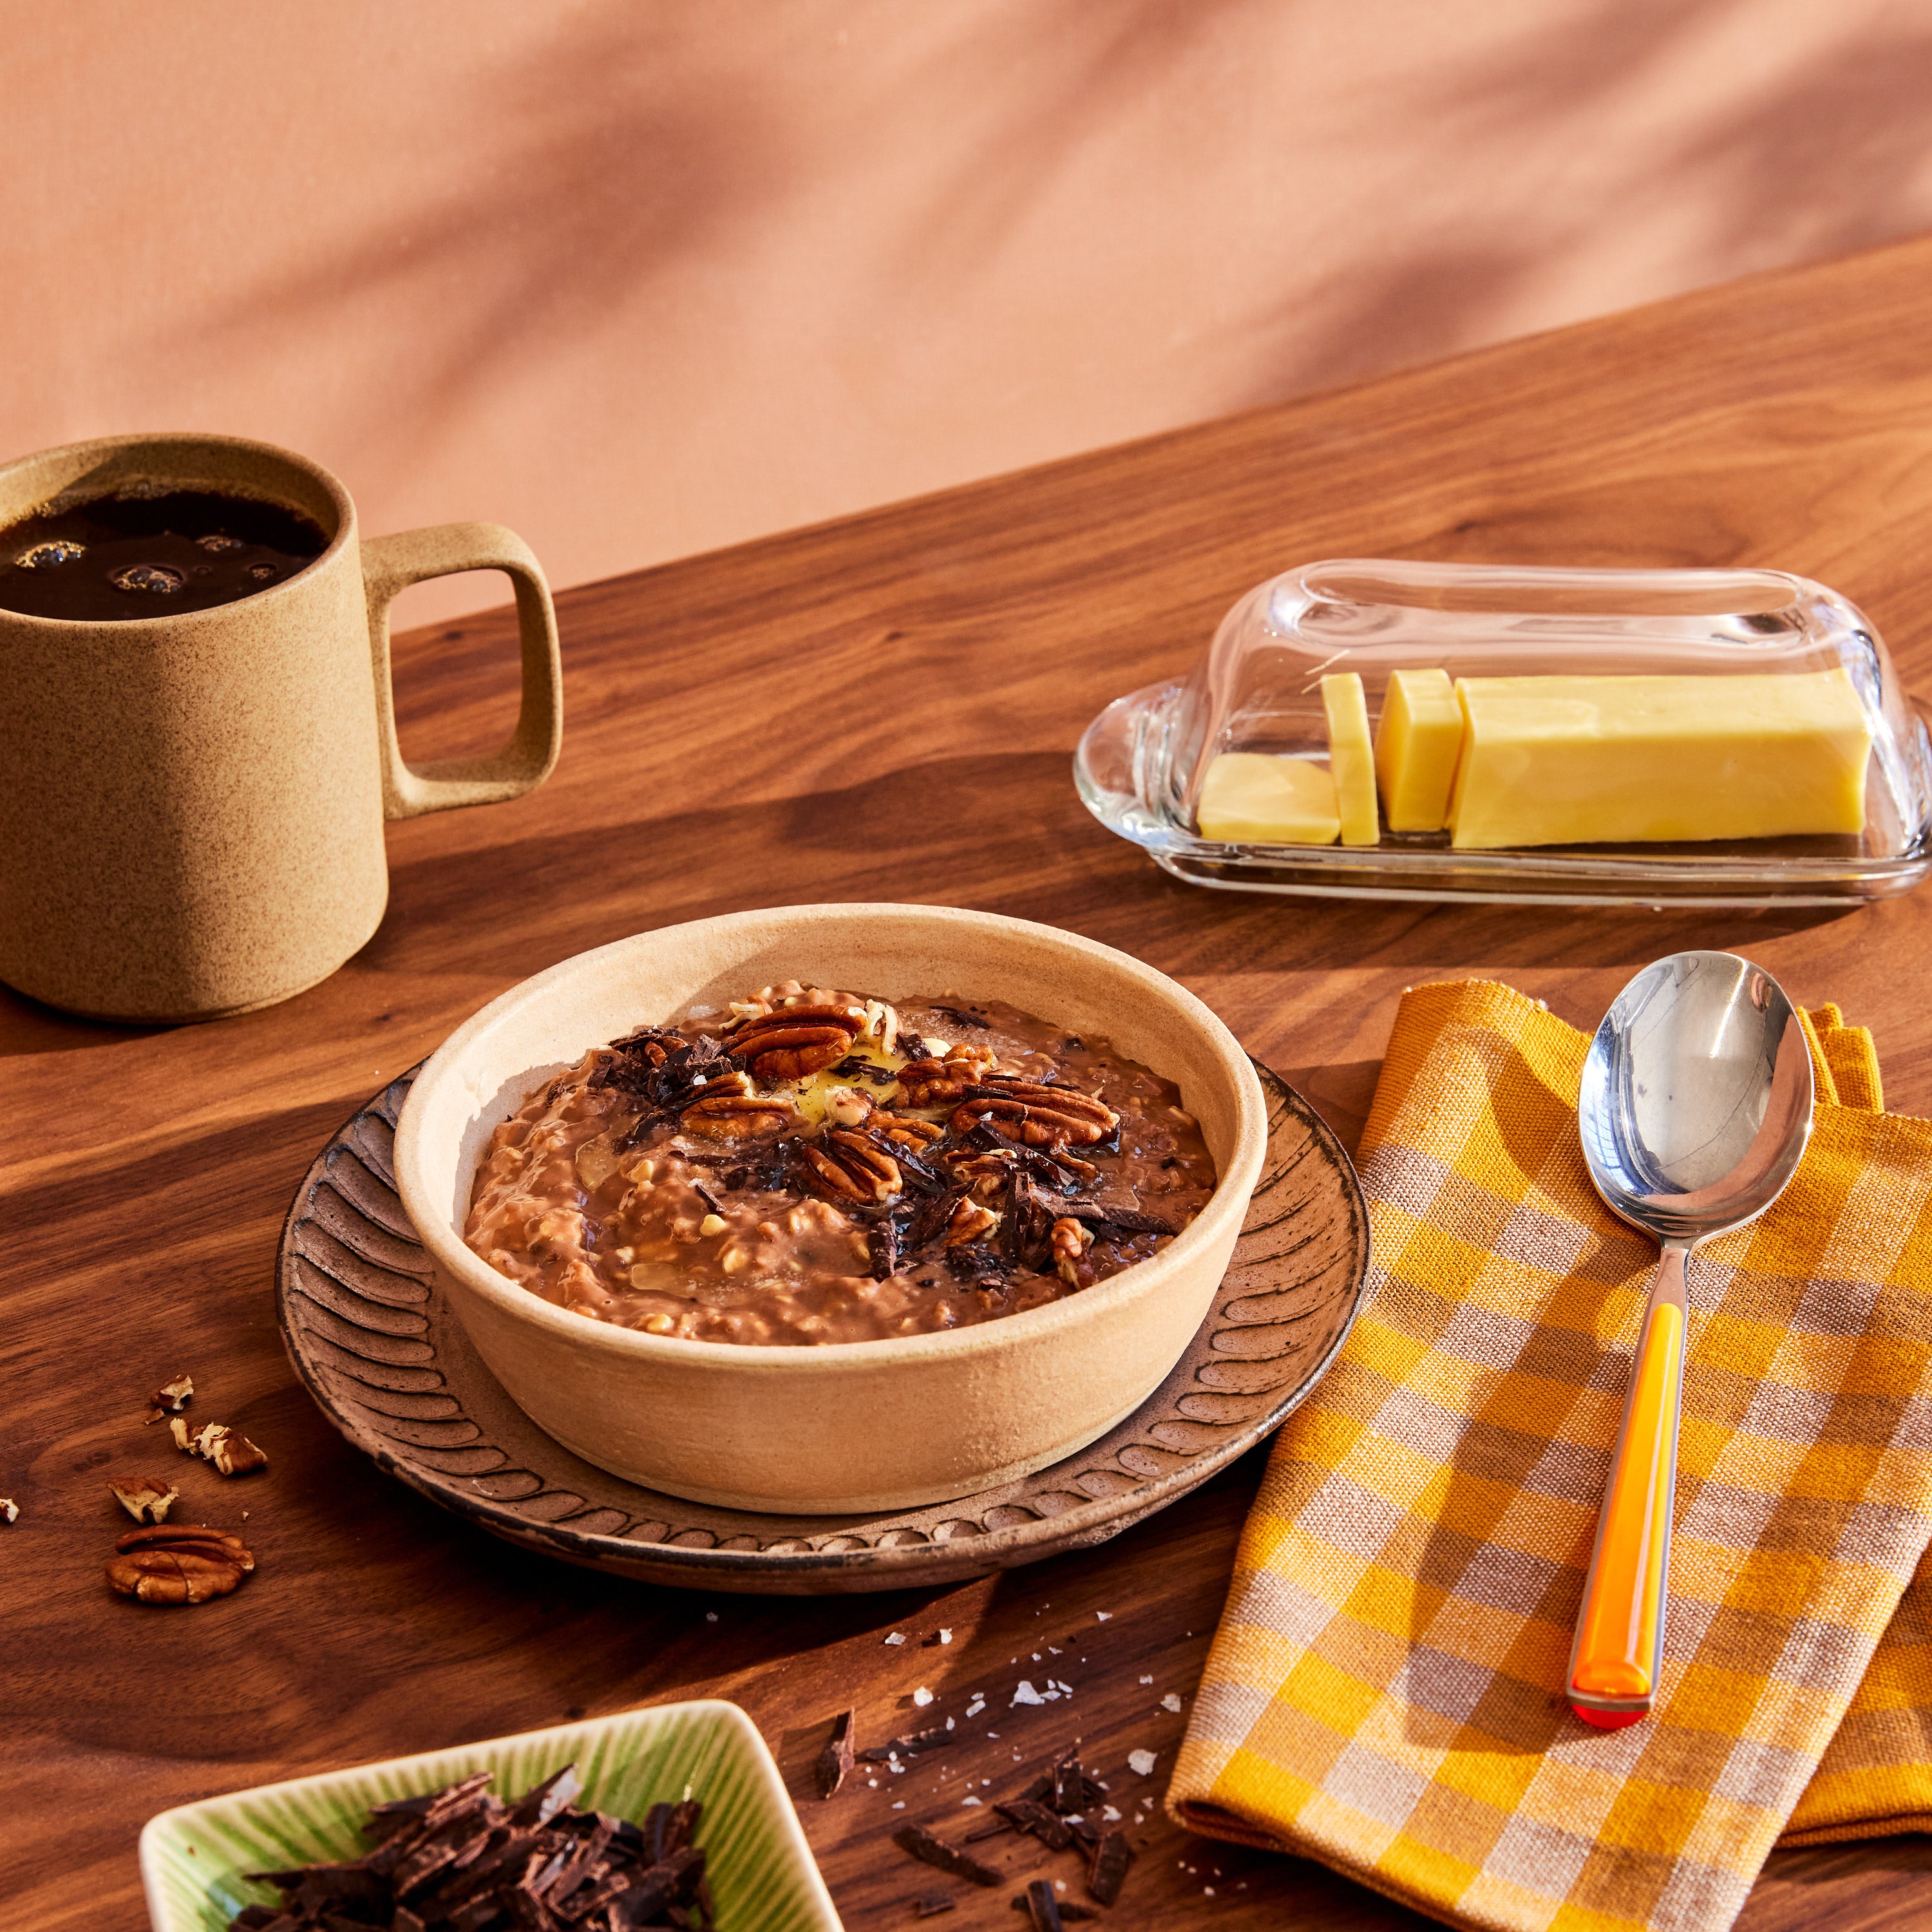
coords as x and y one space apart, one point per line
393 563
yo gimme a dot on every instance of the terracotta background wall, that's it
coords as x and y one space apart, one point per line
644 276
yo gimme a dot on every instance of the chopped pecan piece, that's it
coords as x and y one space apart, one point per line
933 1083
171 1398
734 1117
796 1041
882 1024
146 1499
1036 1115
969 1222
987 1174
851 1168
184 1564
1070 1239
228 1449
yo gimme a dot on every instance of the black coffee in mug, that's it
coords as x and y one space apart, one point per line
138 555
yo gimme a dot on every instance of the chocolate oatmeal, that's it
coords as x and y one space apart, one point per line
812 1165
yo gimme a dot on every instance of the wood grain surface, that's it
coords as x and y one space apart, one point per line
881 708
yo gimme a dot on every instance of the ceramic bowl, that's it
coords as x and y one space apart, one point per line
849 1427
194 1860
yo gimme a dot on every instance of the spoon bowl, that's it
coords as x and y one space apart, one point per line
1695 1104
1694 1110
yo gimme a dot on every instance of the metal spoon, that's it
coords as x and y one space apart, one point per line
1695 1109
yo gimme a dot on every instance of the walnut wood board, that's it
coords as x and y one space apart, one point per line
885 707
381 1350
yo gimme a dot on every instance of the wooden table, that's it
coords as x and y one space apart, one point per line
882 708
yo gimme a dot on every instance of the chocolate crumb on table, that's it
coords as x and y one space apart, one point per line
1029 1816
921 1844
929 1905
835 1761
909 1746
1111 1857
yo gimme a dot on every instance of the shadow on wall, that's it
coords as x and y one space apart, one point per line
634 152
644 280
1827 159
622 159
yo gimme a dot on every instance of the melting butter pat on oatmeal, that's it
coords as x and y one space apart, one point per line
811 1166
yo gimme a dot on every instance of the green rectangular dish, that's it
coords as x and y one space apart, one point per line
760 1869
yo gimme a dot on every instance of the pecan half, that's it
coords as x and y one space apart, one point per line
737 1116
907 1132
1070 1240
932 1083
146 1499
796 1041
851 1168
187 1563
1036 1115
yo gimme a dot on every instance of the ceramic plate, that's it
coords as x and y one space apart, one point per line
759 1866
370 1335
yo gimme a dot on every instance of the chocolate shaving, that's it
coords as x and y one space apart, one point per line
709 1199
936 1739
913 1047
1036 1819
929 1221
995 1827
461 1860
960 1017
930 1905
883 1243
1113 1214
835 1761
923 1846
1111 1857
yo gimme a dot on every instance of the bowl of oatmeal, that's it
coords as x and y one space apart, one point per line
833 1208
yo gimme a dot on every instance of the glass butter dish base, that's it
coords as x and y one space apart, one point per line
1666 635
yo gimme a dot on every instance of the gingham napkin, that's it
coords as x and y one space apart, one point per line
1384 1693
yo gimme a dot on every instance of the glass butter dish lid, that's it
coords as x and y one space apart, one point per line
1430 731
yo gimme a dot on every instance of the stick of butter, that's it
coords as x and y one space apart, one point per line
1417 741
1351 758
1256 798
1587 761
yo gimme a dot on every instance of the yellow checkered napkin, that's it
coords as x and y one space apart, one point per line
1385 1694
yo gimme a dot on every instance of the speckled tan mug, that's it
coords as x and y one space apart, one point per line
191 806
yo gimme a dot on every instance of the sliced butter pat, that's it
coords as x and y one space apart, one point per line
1585 761
1255 798
1351 757
1417 742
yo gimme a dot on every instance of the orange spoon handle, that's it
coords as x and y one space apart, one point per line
1618 1653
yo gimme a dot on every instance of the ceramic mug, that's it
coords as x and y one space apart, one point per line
191 806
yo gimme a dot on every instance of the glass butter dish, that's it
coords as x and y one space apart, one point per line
1407 731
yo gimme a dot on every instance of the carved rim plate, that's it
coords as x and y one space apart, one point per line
373 1339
